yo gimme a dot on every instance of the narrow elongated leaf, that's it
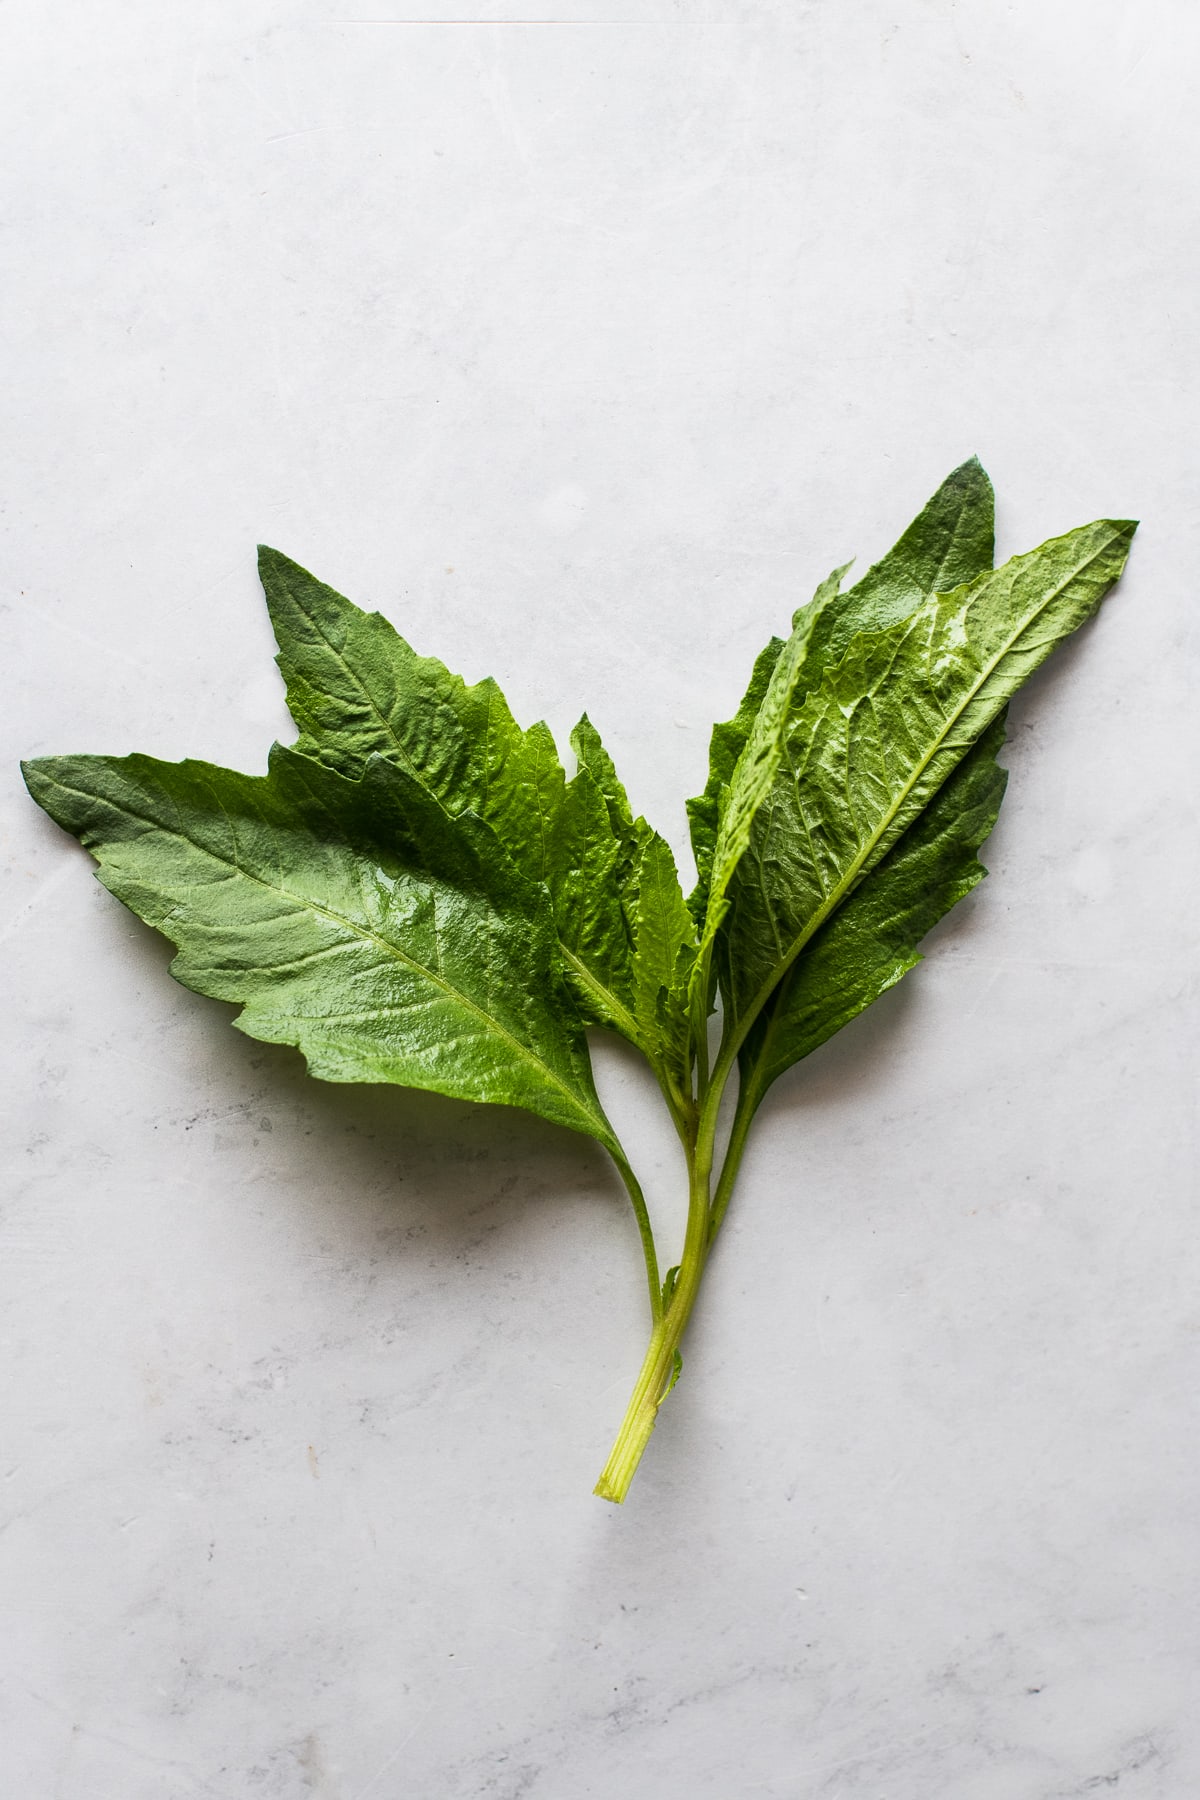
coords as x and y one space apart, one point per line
872 745
750 782
951 540
587 852
626 933
726 745
664 952
757 765
356 920
871 942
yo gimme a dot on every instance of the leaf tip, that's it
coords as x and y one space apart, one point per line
34 770
971 470
970 483
272 562
584 739
1120 543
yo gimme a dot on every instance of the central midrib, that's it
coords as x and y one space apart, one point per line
606 994
362 687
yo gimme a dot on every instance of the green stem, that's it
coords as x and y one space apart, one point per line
706 1212
650 1254
660 1363
747 1105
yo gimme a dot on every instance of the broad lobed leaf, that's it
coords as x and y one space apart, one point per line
355 919
356 689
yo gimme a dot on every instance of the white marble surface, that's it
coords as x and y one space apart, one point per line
583 348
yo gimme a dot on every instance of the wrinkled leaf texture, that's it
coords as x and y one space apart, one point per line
351 917
887 782
416 892
355 689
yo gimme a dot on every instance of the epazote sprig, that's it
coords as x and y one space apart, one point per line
417 892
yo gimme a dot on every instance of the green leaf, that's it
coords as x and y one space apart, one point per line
355 919
587 852
757 765
664 952
356 689
625 930
726 745
872 745
871 942
597 765
950 541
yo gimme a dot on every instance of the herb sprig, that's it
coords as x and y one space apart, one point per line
417 892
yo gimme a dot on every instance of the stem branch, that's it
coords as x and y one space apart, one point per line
650 1254
747 1105
659 1364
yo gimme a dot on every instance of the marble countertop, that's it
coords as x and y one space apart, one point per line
582 347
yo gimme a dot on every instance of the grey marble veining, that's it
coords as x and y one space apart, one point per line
584 347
